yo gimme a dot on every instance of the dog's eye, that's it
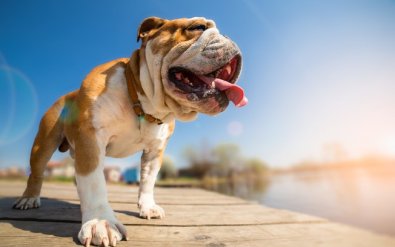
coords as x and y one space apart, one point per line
197 28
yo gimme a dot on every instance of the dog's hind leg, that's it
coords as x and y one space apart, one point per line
48 139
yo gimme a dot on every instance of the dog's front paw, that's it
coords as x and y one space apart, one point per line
153 211
101 232
148 208
24 203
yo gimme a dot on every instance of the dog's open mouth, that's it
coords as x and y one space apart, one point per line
204 86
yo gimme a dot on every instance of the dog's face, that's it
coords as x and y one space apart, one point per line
198 65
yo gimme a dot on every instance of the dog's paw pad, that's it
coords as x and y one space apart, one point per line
24 203
154 211
101 232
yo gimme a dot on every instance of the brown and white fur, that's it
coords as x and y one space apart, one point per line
98 119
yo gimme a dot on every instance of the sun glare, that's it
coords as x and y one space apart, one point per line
389 146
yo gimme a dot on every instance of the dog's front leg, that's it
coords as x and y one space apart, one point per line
150 165
99 224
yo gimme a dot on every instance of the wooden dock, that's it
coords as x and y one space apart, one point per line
194 217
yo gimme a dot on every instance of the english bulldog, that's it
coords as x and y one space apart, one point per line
183 67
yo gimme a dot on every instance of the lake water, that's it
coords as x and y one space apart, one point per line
359 196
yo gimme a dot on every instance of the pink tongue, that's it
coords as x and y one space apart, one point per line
234 92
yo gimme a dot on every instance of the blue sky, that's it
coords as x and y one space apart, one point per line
318 74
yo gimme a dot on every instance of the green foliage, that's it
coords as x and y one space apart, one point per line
256 166
168 170
223 161
200 161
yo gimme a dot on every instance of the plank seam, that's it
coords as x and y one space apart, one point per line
164 225
182 204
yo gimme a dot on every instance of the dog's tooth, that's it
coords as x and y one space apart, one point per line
186 80
228 69
213 84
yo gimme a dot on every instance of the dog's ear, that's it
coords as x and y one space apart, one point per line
149 25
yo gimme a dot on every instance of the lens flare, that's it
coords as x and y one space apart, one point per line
389 146
18 105
235 128
69 112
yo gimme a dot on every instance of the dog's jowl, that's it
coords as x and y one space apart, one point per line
183 67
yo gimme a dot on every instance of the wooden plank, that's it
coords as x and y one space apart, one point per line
210 224
176 215
127 194
18 186
15 233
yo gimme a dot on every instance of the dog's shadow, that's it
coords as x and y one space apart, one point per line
54 217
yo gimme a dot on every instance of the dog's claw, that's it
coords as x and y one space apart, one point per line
105 242
114 242
121 228
88 242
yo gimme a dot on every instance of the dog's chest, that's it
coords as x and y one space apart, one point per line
124 142
117 125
